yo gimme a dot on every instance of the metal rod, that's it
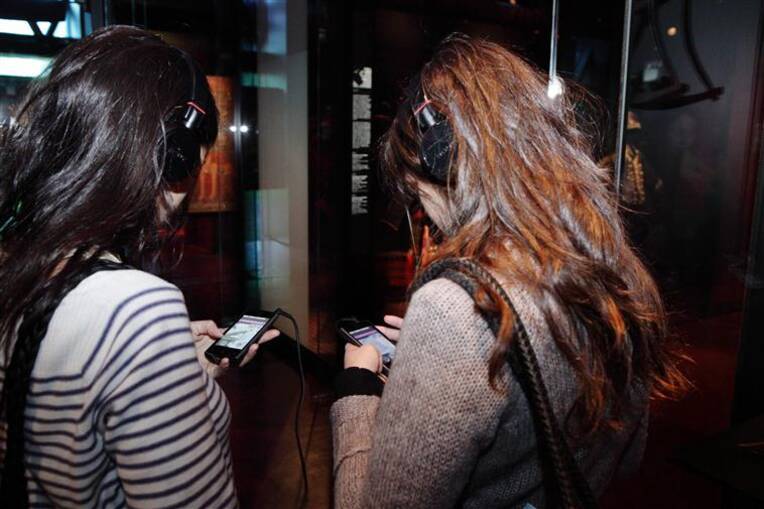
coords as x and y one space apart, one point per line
553 42
622 97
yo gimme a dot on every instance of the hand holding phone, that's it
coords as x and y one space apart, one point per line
236 342
366 357
365 334
206 332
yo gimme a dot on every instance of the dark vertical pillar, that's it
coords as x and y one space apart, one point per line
749 378
97 12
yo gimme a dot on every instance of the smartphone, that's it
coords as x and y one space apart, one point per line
364 333
237 339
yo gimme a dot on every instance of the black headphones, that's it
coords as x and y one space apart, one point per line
436 150
182 140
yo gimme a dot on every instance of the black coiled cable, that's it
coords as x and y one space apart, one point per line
299 404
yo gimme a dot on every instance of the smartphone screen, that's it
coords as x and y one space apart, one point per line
242 332
371 335
237 339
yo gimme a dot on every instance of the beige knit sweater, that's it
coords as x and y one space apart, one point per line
441 437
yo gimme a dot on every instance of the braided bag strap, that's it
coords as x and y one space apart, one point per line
564 482
34 327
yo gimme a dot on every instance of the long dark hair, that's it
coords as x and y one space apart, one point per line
81 175
525 200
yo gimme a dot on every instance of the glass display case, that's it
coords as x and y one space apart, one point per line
246 239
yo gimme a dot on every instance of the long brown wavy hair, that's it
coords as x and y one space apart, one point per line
525 199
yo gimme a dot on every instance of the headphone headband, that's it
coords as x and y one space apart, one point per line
194 114
182 142
426 115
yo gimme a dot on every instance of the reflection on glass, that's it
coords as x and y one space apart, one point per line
29 44
687 200
277 213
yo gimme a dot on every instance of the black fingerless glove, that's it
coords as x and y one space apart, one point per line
357 382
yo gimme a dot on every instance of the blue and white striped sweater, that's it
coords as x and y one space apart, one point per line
119 411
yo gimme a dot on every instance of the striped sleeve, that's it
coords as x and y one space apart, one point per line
162 421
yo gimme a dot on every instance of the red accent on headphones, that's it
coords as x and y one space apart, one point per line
422 106
196 107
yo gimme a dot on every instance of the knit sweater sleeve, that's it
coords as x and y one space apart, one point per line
417 446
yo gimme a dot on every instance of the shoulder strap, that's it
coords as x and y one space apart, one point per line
566 486
18 375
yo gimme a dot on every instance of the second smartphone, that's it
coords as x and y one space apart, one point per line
365 333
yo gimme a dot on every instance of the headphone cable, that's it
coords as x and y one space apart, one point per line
302 398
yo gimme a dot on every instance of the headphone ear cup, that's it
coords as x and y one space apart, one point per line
435 151
181 157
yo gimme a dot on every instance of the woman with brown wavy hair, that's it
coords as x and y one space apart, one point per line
519 196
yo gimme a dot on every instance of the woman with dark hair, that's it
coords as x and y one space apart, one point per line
525 214
104 397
